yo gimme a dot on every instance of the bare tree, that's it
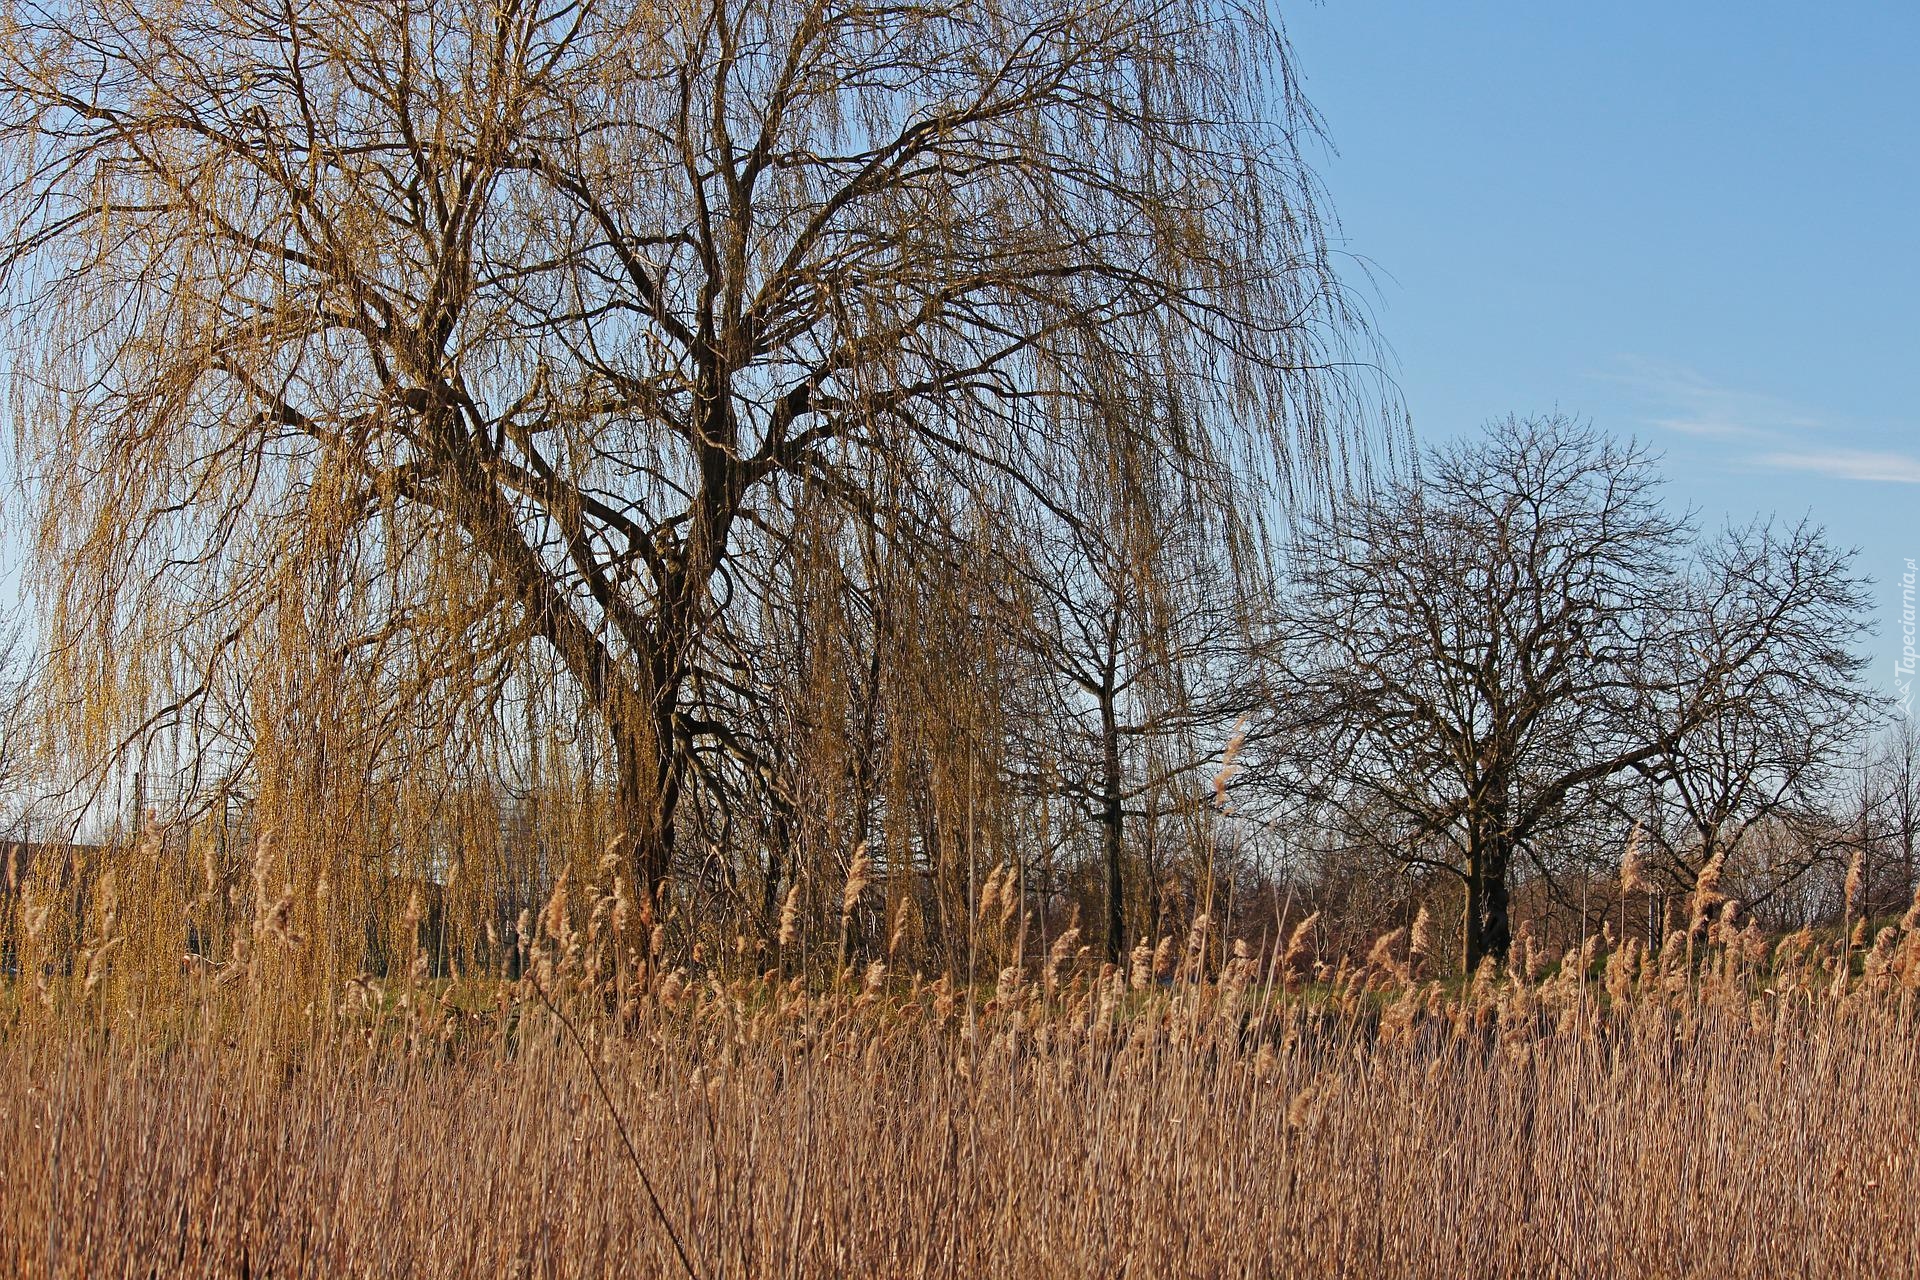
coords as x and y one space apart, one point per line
540 317
1897 772
1478 657
1136 618
1876 821
1763 624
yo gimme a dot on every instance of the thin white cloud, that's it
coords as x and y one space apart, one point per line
1709 428
1847 464
1686 401
1777 434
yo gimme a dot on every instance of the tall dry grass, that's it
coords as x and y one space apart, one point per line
1727 1105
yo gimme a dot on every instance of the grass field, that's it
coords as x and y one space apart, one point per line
1727 1112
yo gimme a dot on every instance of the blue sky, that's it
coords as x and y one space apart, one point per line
1695 222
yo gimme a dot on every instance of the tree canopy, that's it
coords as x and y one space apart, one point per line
446 339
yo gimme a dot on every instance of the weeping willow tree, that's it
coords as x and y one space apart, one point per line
467 348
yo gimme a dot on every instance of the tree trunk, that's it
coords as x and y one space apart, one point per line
1111 825
1470 939
647 768
1488 924
1496 927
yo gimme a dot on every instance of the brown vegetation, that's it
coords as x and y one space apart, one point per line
669 626
1727 1105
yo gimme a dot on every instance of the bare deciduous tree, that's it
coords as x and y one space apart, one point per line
1762 624
1478 657
1896 777
535 319
1147 669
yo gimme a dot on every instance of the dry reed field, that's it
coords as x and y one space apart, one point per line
1725 1106
805 638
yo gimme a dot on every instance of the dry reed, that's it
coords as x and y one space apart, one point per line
1719 1106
